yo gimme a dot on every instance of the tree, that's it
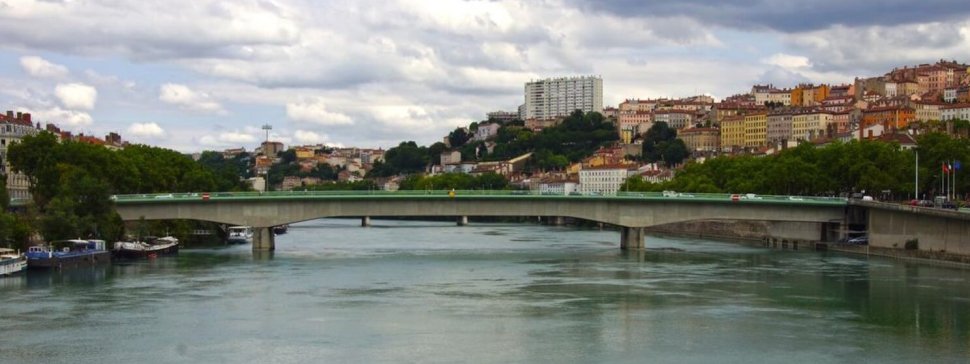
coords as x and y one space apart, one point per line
458 137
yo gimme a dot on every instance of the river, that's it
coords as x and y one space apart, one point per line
408 291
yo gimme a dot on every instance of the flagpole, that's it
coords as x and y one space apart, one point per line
916 189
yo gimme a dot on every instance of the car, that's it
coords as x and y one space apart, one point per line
925 203
860 240
866 198
751 196
669 194
168 195
735 197
795 198
949 205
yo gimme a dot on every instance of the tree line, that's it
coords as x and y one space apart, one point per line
72 183
875 167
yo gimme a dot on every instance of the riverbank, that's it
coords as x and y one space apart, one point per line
774 235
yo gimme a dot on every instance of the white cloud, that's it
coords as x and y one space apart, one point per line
229 138
788 61
146 130
309 137
61 117
185 97
314 110
76 95
39 67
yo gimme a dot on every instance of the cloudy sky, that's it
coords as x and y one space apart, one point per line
194 75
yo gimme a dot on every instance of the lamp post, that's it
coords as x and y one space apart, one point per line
916 189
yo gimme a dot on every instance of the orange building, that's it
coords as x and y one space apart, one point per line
890 117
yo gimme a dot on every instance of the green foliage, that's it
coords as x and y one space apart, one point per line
835 169
458 137
577 137
660 143
457 181
72 182
405 158
911 244
365 185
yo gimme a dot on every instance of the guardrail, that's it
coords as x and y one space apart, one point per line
667 195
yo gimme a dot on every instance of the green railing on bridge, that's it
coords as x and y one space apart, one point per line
476 194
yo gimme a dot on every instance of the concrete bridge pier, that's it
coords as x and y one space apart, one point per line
365 221
263 239
462 220
631 238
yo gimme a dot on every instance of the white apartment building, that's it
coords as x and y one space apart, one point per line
604 180
955 112
557 97
12 129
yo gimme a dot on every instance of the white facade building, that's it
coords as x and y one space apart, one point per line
486 131
555 97
604 180
955 112
12 129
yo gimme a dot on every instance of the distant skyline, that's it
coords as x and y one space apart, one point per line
195 75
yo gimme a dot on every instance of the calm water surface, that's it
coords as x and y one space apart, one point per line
488 293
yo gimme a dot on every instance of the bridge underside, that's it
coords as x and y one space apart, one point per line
632 215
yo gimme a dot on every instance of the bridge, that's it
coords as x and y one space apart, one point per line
631 211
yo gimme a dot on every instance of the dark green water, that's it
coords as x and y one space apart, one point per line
433 292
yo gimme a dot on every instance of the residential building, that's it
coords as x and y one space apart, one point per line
808 95
605 180
732 132
809 124
950 94
779 126
502 116
486 131
756 129
539 124
890 117
271 149
957 111
559 97
610 112
928 110
701 139
637 121
677 119
450 157
12 129
558 186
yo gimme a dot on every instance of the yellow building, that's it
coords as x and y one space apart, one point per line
303 152
810 125
756 129
732 132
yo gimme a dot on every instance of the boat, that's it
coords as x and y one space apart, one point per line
143 249
240 235
280 229
11 261
68 254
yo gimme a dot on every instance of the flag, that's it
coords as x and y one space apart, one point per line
944 168
956 165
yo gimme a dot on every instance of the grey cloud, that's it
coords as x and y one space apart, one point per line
789 16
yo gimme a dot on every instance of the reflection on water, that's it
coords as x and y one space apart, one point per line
435 292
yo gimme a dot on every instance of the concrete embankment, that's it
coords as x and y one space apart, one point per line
789 235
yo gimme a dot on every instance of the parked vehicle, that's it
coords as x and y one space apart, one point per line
861 240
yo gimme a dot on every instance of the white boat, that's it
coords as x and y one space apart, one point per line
240 235
146 249
11 261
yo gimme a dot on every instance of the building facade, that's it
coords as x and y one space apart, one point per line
604 180
701 139
732 132
558 97
14 127
756 129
